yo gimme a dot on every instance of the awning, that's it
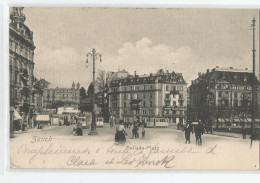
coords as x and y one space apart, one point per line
221 120
195 123
17 115
248 119
42 118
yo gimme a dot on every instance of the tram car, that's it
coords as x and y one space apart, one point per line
100 122
157 122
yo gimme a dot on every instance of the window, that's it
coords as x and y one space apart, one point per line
174 120
235 103
181 88
219 94
167 111
137 96
151 111
125 111
151 87
143 103
151 103
131 96
125 96
144 111
167 95
143 96
167 103
235 95
151 95
167 87
245 78
144 87
124 104
174 103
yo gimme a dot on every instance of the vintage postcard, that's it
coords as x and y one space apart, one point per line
134 88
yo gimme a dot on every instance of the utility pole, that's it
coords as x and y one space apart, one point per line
94 56
253 80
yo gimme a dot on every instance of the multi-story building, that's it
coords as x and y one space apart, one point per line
61 96
162 94
21 60
222 97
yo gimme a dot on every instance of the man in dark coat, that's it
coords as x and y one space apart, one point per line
244 132
187 129
198 132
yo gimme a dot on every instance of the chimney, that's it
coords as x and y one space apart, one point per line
207 71
217 66
199 74
231 68
135 73
246 69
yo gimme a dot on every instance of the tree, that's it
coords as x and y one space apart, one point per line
103 83
82 92
83 105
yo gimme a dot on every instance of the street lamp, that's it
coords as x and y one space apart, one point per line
94 56
253 81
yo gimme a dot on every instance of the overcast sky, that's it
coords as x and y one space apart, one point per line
143 40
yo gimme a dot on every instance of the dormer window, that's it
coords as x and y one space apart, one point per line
235 78
245 78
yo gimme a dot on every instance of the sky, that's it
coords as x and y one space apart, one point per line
186 41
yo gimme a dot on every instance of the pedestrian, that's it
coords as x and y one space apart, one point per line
187 129
198 133
243 131
143 133
135 133
120 133
79 131
252 138
143 130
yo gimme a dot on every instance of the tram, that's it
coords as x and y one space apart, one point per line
157 122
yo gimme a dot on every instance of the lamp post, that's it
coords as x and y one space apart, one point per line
253 80
94 56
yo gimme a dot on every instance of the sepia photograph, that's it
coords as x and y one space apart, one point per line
134 88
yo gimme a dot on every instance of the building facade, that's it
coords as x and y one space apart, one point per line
21 60
222 97
161 94
61 96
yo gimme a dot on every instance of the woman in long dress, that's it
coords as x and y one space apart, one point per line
120 132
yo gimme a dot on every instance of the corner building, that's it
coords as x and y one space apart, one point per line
21 58
162 94
222 98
